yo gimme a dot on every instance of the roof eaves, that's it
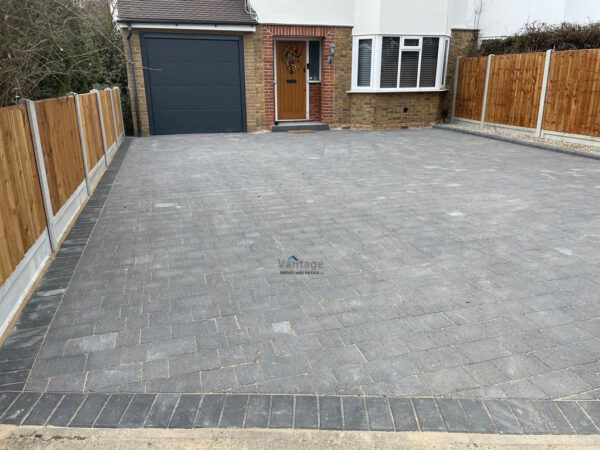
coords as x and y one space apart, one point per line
186 22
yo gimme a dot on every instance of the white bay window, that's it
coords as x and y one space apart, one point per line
398 63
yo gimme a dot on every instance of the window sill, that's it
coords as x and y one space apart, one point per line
314 81
394 91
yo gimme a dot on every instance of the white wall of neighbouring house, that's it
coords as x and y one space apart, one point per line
435 17
499 18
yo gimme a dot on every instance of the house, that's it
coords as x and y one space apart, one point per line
245 65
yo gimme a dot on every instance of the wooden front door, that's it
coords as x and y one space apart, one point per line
291 80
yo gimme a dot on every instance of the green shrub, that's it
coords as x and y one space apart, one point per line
538 37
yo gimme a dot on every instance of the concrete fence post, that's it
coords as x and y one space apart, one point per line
88 185
114 115
121 109
41 167
485 89
540 117
99 103
455 88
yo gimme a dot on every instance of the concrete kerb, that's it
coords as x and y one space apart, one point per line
260 438
510 140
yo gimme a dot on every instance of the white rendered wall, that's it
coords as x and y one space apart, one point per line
435 17
305 12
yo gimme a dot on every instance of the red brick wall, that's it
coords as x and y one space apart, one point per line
327 35
314 101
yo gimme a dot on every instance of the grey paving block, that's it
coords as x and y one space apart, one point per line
194 362
380 416
281 411
453 415
257 415
43 409
552 417
219 380
478 416
306 414
577 418
330 413
66 410
403 414
210 411
161 411
137 411
503 417
185 411
428 415
89 344
113 411
101 379
528 417
89 410
593 411
355 416
233 411
6 398
19 409
52 367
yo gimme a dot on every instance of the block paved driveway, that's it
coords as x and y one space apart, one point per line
452 266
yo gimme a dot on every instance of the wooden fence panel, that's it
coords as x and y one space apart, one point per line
107 117
92 134
470 87
22 218
59 135
515 89
117 103
573 96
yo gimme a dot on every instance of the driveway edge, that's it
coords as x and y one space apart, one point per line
551 148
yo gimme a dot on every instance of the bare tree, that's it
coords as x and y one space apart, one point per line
50 47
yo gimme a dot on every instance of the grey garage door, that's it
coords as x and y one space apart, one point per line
194 83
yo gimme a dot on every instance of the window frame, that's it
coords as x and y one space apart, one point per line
376 59
320 59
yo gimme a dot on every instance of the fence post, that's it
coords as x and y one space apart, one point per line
456 71
99 104
485 89
82 141
112 108
540 117
41 167
121 109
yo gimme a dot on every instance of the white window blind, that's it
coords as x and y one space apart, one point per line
429 58
365 51
390 48
409 69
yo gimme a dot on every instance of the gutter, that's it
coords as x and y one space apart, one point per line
136 100
249 23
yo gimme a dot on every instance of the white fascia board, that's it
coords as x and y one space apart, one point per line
198 27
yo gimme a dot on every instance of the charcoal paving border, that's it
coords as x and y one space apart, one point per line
22 345
184 411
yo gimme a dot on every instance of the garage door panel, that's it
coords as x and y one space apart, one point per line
194 73
181 122
191 50
190 97
194 83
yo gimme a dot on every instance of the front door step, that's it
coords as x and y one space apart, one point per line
299 126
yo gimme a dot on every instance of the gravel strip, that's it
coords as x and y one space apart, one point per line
587 148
